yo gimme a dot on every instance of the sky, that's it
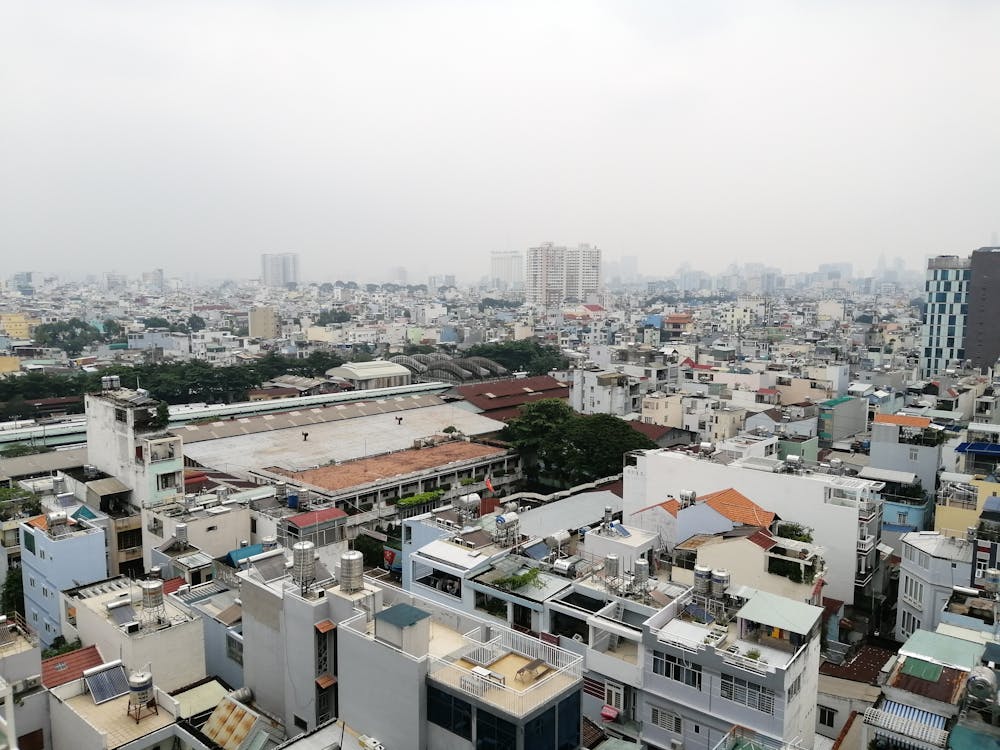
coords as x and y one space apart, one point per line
195 136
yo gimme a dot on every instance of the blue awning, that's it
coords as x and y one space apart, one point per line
988 448
913 714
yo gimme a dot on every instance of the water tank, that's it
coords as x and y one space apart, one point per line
511 507
720 582
292 499
222 492
303 562
58 486
970 534
702 580
608 514
707 448
793 459
557 539
611 566
352 570
982 683
836 463
152 593
269 543
56 518
140 689
156 572
181 534
991 580
244 543
280 490
641 570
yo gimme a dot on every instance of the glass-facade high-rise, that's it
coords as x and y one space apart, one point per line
947 307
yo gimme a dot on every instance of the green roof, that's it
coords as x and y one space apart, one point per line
966 738
925 670
836 401
402 615
84 512
945 650
779 612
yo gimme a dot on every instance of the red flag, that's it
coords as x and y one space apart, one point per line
489 485
388 555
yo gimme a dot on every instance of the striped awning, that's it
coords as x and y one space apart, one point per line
908 721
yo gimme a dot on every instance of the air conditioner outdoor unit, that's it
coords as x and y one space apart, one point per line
676 744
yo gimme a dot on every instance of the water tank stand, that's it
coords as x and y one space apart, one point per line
150 707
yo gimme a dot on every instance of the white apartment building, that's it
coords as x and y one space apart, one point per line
844 513
507 269
932 565
279 269
555 273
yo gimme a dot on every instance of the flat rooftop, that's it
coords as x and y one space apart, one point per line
342 440
404 462
112 720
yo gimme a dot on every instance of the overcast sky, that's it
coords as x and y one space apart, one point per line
366 135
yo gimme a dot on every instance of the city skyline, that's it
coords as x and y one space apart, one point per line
778 133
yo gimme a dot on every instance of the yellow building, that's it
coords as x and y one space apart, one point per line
959 503
17 325
9 364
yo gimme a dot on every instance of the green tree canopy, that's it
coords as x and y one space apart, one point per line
71 336
527 354
558 443
195 323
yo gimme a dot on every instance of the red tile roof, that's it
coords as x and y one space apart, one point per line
172 584
503 399
738 508
653 431
68 667
762 539
313 517
670 505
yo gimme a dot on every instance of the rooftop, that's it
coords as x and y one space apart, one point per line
70 666
735 506
375 431
111 718
365 470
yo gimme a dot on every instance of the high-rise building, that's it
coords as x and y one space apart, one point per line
279 269
264 323
982 335
947 295
554 273
507 269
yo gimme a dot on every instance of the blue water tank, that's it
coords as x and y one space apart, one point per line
293 500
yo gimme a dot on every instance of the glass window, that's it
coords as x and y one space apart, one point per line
677 669
569 723
540 732
29 541
747 693
494 733
449 712
826 716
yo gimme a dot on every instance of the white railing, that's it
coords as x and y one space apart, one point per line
866 543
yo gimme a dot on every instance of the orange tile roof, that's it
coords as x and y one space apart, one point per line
738 508
64 668
670 505
902 420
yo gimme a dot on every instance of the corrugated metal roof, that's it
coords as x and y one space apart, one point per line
913 714
779 612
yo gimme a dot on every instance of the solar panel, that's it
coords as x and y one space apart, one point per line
622 531
107 684
124 614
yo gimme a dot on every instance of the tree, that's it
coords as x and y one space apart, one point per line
71 336
156 322
556 442
527 354
195 323
112 329
328 317
13 591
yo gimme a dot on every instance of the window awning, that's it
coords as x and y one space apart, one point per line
325 680
609 713
107 486
325 626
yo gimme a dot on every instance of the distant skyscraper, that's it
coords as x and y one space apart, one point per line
279 269
554 274
947 296
982 330
507 269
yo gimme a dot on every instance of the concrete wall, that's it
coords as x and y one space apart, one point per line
262 665
383 693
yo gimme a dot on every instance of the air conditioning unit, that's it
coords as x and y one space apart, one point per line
32 682
676 744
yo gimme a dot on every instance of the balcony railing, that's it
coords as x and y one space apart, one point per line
863 578
866 544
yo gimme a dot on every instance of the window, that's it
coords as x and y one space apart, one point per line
827 716
29 541
569 723
913 590
449 712
795 687
493 733
234 648
166 481
211 528
747 693
665 719
120 415
677 669
253 525
914 454
909 623
614 695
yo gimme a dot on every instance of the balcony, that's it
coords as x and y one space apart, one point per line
866 544
863 578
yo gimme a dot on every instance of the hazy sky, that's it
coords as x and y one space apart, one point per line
365 135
